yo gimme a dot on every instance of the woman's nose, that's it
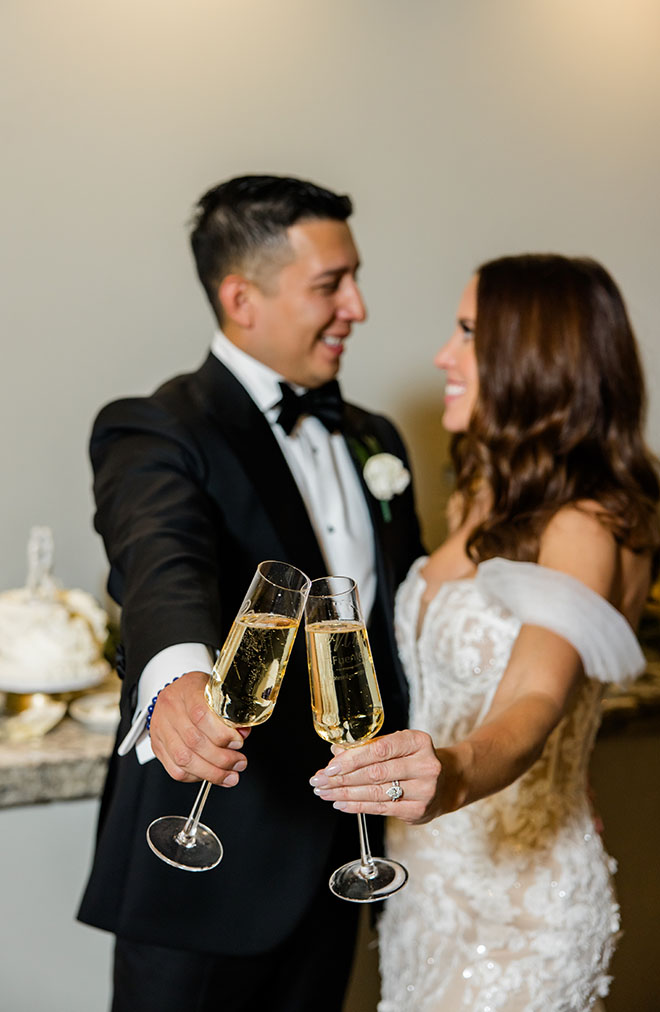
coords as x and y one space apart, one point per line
444 357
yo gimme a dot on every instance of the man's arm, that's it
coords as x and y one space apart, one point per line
158 530
159 533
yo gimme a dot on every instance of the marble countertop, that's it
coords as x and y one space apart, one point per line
69 762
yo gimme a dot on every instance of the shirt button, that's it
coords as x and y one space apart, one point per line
331 529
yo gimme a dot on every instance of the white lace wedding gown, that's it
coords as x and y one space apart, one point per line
509 905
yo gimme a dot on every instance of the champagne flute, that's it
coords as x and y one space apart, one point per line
242 690
347 711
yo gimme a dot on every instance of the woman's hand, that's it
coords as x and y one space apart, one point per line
190 740
357 779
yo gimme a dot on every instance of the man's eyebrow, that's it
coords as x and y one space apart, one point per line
335 272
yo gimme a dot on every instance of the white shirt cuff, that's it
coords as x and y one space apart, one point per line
158 672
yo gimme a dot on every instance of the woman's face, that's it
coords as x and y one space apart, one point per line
459 361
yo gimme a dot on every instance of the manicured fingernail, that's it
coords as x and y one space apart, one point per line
240 765
230 780
332 769
340 806
236 744
319 780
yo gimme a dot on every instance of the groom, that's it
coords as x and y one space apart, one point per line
195 485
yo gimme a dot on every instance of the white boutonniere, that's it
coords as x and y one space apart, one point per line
384 474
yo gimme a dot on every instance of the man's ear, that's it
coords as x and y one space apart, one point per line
236 296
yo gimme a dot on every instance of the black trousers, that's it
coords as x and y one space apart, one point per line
309 971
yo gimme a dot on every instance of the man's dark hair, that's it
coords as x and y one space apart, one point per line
240 225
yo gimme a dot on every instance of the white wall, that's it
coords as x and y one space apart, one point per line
462 130
48 961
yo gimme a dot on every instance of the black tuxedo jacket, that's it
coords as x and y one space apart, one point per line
192 492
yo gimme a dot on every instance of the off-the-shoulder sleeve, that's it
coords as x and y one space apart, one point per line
546 597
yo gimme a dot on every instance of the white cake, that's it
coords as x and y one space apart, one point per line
51 640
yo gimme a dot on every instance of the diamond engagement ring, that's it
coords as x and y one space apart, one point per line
395 791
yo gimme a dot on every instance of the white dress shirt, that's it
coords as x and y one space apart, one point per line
330 489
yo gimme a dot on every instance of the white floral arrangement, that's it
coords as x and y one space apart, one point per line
384 474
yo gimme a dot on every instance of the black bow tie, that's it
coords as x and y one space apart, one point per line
325 402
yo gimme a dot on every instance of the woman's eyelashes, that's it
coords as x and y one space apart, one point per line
467 328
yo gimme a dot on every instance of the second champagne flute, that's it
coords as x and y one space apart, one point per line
347 711
242 690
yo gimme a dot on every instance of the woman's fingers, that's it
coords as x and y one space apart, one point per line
358 779
415 789
403 754
407 810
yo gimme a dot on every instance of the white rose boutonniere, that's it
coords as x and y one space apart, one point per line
384 474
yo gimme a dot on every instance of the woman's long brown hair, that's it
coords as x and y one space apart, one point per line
560 409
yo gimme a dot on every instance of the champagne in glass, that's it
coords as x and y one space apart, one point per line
248 673
242 690
346 703
347 710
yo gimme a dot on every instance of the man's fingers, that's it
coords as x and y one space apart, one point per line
181 711
190 740
190 755
185 768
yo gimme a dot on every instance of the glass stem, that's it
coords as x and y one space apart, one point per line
187 835
367 867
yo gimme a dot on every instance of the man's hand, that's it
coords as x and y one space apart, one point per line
190 740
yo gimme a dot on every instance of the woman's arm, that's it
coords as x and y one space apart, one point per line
533 695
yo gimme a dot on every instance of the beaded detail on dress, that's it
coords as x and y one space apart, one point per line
509 905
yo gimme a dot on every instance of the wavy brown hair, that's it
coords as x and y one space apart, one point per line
561 407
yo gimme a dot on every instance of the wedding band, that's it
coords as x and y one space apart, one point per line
395 791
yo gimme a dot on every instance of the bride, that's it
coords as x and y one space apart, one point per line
508 633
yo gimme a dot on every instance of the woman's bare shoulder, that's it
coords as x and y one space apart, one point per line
579 541
575 530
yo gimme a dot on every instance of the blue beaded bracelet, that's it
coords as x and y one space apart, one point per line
150 708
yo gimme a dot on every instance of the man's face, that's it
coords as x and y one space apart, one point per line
303 315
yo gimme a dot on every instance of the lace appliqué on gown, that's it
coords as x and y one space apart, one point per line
509 905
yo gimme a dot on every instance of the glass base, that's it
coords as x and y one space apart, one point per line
349 882
200 853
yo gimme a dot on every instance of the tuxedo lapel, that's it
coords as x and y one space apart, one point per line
355 432
362 440
249 434
358 431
